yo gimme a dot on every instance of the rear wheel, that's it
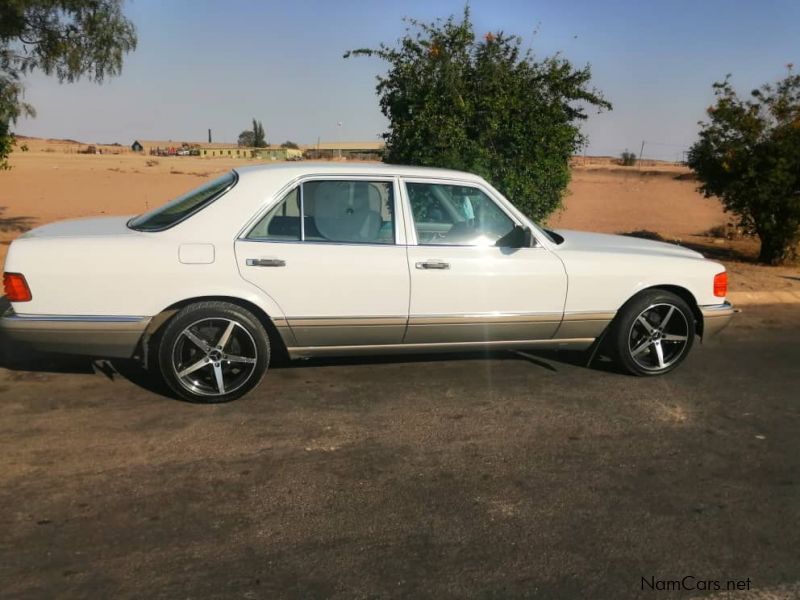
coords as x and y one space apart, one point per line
653 333
213 352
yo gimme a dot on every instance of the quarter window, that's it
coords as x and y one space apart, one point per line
338 211
456 215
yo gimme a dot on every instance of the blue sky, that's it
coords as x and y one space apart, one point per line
204 64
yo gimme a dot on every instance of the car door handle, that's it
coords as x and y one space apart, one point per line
432 264
265 262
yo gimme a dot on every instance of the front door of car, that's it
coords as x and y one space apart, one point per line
464 286
339 273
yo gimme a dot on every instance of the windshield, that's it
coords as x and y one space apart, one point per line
183 206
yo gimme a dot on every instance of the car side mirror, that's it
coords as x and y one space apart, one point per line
528 239
518 237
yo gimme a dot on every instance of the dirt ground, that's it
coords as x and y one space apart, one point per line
507 475
51 181
490 475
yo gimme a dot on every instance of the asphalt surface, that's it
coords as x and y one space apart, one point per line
496 476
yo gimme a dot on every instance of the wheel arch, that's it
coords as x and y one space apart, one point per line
684 294
276 338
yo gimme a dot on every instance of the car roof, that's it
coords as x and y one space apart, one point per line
291 170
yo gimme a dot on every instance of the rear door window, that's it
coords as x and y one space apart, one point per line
335 211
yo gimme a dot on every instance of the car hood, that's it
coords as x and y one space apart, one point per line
83 227
620 244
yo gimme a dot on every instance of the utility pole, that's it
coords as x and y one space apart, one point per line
641 152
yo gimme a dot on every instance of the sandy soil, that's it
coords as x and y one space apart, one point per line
52 181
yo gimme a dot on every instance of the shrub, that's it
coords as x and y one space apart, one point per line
748 155
486 105
627 159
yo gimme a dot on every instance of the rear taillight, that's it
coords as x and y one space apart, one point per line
721 285
16 288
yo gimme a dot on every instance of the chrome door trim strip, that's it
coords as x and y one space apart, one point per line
345 321
491 318
428 331
449 319
465 319
77 318
581 315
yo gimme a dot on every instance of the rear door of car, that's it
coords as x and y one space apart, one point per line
464 287
340 273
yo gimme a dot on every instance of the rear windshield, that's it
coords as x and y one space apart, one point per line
184 206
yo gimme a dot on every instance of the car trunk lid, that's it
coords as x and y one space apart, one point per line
97 226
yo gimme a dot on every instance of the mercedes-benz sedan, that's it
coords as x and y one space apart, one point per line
324 259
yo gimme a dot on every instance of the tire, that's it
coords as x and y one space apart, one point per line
653 333
213 352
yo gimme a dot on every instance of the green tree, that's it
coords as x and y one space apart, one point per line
259 136
290 144
66 38
485 106
247 138
748 155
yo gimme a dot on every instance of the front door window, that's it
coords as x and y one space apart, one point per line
456 215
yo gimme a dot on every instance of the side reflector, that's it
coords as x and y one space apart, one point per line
721 285
16 288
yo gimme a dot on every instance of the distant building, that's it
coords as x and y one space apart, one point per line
160 147
227 150
233 151
323 150
345 150
277 153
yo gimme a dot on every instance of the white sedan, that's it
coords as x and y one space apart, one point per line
332 259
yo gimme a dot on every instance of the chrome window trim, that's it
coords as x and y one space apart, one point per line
302 213
299 181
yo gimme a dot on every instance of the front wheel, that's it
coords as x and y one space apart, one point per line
653 333
213 352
